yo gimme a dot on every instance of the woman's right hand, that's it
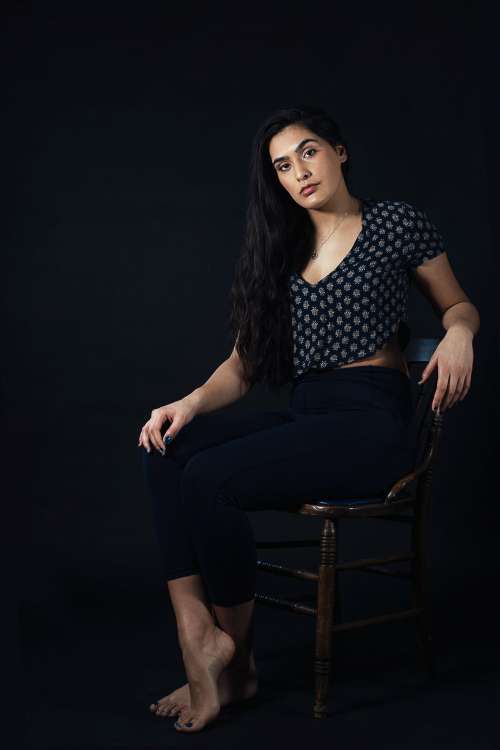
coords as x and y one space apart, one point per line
178 412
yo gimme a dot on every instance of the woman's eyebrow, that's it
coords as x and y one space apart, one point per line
297 148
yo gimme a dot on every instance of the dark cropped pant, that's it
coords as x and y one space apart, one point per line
347 432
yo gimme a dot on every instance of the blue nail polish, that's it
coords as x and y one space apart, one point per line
168 439
189 724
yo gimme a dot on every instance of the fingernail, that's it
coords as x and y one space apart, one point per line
168 439
189 724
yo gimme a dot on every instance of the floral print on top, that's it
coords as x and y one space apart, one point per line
356 308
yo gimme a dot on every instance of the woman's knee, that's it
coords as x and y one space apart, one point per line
151 460
157 468
201 482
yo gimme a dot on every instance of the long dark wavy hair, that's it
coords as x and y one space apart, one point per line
278 239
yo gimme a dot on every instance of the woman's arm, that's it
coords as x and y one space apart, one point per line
462 315
454 355
225 385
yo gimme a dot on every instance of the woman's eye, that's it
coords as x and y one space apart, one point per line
305 152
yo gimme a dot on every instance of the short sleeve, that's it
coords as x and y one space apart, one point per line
423 239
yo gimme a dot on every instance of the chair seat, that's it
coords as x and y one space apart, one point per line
349 501
372 500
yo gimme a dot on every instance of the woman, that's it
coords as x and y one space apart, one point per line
319 292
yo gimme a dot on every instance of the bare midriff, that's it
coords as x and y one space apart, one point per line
389 356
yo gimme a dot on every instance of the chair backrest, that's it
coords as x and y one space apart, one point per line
418 352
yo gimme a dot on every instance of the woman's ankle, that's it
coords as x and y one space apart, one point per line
194 633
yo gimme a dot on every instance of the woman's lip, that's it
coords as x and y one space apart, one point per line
309 190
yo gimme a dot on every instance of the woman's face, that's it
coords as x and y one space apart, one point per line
307 159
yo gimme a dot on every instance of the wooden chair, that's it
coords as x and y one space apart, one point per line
407 501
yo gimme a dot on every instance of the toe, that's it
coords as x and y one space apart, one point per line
182 724
157 707
191 726
173 710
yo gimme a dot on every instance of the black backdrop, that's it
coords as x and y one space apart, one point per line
129 130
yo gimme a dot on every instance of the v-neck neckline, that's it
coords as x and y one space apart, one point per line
348 254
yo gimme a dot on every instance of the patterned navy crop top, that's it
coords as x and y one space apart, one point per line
356 308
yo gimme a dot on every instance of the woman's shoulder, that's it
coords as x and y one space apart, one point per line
393 209
397 215
389 207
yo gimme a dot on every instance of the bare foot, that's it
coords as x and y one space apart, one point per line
237 682
173 703
206 654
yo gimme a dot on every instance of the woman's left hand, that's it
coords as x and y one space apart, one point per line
453 357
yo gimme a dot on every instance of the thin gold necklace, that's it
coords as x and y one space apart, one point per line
314 254
315 251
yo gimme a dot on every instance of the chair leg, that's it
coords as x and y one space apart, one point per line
421 590
338 616
325 616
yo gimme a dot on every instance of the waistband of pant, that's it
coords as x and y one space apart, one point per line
334 373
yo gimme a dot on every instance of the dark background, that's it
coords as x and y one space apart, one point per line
127 145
